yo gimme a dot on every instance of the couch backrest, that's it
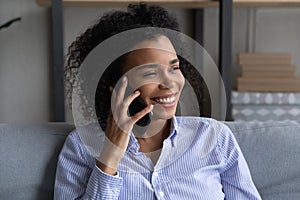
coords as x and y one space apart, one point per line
272 151
28 159
29 156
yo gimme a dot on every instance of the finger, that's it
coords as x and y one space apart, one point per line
127 101
130 98
118 94
122 89
142 113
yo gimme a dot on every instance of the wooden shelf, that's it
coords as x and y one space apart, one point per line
266 3
123 3
176 3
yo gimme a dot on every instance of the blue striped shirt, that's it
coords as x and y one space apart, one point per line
199 160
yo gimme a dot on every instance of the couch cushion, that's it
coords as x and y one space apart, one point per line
28 159
272 151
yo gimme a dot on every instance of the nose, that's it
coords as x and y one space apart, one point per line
167 82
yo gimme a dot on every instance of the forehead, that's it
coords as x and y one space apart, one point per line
160 42
159 50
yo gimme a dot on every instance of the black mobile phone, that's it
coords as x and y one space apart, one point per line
136 106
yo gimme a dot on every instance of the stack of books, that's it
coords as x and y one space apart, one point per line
267 72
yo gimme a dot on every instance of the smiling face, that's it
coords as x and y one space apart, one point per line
154 70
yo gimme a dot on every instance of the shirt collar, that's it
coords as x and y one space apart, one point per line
173 131
133 145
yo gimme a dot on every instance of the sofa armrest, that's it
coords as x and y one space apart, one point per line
28 159
272 151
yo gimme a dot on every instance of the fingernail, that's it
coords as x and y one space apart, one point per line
151 106
124 79
137 92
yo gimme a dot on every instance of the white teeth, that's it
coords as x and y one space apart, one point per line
165 100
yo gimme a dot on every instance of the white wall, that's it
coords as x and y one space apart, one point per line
278 30
24 63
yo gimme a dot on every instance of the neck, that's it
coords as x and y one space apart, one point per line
154 136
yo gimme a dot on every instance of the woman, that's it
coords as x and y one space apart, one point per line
169 158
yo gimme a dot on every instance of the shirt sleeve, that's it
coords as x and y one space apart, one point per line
78 177
235 176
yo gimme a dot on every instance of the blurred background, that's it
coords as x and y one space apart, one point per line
26 84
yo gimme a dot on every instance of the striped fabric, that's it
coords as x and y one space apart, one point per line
199 160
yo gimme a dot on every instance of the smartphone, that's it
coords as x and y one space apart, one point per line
136 106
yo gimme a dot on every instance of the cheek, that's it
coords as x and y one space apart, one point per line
146 91
181 82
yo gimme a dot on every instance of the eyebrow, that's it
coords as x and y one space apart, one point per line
176 60
154 65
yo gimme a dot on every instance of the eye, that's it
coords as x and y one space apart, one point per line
174 68
149 74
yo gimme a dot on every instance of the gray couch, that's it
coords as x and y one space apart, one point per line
29 156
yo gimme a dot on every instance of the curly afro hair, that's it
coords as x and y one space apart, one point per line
137 16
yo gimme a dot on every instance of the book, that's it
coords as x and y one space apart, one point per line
264 58
280 71
270 84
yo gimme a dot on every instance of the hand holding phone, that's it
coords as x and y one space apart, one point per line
136 106
120 126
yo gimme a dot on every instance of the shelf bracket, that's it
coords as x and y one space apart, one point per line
225 51
58 60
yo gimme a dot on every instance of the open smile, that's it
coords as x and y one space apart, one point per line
164 100
167 101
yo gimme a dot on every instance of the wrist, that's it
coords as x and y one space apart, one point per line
110 156
106 169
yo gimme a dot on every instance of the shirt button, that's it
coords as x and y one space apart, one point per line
155 174
161 194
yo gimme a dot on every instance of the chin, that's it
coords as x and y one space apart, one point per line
164 115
